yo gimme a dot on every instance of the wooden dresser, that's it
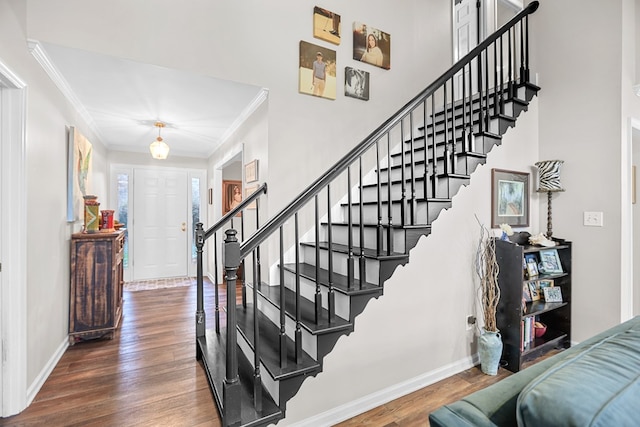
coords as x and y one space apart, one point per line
95 307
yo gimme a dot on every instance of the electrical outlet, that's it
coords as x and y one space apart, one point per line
593 219
471 320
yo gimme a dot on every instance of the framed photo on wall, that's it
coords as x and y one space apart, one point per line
317 70
371 45
356 83
231 195
326 25
509 198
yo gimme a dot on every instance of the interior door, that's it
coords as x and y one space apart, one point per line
465 38
160 224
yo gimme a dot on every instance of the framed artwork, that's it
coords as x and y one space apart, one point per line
371 45
249 190
317 71
79 171
553 294
550 262
326 25
356 83
509 198
251 171
231 195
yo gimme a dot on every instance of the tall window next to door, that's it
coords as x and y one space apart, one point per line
123 212
195 214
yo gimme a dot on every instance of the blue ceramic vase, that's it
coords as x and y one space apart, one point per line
490 351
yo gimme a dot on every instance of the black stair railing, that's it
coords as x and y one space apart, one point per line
450 117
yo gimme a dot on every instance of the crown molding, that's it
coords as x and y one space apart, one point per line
38 52
262 96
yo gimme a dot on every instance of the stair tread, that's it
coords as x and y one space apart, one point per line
307 311
213 348
374 225
339 281
368 253
418 179
270 345
418 199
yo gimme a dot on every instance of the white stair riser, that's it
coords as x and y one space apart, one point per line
270 384
370 213
308 291
340 263
340 235
309 341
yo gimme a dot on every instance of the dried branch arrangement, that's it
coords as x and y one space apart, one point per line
487 270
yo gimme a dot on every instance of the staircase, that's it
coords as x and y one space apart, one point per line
359 220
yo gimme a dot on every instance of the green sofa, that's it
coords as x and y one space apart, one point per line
594 383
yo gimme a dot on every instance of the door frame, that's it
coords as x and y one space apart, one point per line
129 169
13 238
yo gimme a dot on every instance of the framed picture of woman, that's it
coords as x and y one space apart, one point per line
371 45
231 195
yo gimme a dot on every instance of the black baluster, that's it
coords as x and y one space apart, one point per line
216 284
331 297
200 314
389 197
257 377
379 189
283 318
318 295
298 339
362 270
350 260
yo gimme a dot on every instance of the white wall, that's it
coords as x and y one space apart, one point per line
582 121
48 233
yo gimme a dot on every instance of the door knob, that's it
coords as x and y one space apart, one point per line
183 227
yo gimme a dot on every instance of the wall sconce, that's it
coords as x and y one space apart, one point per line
549 182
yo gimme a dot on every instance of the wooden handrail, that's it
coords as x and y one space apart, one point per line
305 196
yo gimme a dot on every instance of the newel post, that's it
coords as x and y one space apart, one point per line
231 388
200 316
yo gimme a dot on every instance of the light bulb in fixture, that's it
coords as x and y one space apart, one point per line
159 149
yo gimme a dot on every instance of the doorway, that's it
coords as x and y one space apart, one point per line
13 254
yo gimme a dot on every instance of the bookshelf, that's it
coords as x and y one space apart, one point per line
516 314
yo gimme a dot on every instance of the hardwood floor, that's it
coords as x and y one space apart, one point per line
148 376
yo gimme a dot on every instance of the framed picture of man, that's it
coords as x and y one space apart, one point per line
317 71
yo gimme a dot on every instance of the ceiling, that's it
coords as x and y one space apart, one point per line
121 100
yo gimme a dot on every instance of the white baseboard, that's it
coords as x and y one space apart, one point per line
37 384
366 403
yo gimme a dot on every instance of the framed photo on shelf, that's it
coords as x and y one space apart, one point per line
526 293
553 294
550 262
509 198
531 263
542 285
535 291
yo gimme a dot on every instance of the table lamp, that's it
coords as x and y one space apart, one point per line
549 182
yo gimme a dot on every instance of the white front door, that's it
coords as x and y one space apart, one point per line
160 224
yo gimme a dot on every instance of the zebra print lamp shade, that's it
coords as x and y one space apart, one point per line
549 179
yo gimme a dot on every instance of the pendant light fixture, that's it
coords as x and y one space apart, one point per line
159 149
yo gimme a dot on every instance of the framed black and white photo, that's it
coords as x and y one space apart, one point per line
509 198
356 83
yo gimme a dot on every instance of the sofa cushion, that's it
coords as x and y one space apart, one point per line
599 386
